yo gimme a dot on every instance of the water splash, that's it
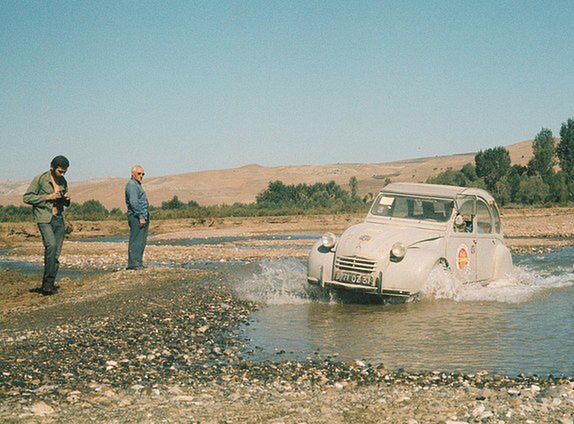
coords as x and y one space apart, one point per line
284 282
278 282
440 285
520 286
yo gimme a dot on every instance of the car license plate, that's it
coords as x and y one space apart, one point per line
345 277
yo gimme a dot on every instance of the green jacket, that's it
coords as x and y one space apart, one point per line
36 196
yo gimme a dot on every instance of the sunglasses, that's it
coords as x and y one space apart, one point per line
140 173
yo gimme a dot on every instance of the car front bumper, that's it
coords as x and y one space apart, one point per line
374 290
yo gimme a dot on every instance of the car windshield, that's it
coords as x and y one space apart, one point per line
408 207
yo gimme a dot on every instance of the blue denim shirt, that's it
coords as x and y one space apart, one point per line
136 200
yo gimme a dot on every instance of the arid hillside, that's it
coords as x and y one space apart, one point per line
243 184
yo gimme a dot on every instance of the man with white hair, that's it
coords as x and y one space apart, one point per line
138 218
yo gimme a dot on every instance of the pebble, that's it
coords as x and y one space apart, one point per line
534 389
41 409
477 412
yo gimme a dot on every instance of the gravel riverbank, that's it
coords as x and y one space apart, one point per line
161 345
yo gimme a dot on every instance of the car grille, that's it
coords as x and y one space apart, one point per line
355 264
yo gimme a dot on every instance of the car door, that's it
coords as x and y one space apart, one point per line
461 245
486 240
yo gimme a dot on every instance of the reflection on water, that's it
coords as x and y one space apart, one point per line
31 268
231 239
198 241
523 324
105 239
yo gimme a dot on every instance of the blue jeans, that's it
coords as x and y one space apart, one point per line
138 240
52 238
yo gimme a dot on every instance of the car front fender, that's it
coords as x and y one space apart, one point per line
412 272
320 263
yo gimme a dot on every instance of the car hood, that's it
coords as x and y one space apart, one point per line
373 241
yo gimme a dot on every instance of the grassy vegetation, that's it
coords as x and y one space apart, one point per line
277 200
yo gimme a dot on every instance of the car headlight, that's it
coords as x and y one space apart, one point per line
329 240
398 251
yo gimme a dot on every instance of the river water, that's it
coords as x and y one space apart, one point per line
524 324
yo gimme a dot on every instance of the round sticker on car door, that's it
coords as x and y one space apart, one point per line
462 257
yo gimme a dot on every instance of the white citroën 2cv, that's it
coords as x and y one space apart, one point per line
409 230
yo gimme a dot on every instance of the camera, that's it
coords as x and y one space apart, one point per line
62 199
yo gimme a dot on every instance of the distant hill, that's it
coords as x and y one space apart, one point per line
244 183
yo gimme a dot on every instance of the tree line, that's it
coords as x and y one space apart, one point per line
277 199
548 178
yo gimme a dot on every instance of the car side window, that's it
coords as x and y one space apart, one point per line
483 218
466 212
497 226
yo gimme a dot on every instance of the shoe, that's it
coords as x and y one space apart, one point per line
135 268
49 289
48 292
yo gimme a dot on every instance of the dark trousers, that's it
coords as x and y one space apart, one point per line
138 240
53 238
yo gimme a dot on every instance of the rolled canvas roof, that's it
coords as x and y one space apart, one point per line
435 190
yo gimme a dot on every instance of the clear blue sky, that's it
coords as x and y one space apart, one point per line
196 85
